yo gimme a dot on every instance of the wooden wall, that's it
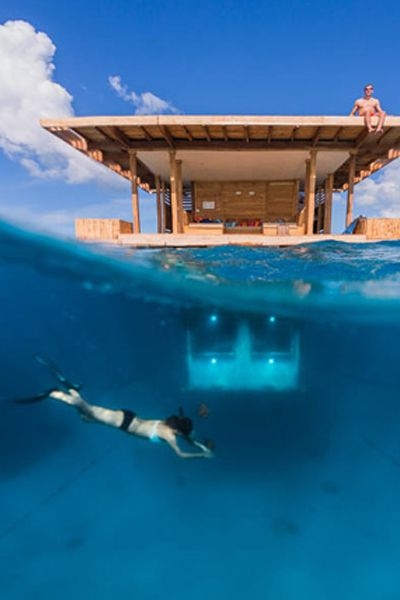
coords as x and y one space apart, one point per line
101 229
378 229
235 200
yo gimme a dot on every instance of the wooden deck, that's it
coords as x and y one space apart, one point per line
177 240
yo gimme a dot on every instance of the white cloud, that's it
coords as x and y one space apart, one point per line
379 195
146 103
29 93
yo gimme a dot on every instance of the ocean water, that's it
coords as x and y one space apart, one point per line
301 499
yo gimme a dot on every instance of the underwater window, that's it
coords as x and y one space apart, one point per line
213 333
270 335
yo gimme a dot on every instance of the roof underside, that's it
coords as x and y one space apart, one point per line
216 148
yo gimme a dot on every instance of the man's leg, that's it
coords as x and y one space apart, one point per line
367 120
382 117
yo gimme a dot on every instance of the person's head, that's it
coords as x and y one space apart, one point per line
180 424
368 89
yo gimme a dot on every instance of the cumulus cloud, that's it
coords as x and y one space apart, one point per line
146 103
28 93
380 195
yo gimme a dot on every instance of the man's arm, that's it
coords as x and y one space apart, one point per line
378 107
354 110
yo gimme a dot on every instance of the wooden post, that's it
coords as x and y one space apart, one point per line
320 214
159 207
350 190
134 192
179 194
174 192
328 204
311 173
164 208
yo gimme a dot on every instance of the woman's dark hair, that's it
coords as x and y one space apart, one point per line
181 424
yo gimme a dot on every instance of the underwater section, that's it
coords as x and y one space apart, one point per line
286 360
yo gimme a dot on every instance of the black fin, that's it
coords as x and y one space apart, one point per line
33 399
68 385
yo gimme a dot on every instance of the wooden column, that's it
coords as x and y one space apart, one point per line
328 204
174 192
134 192
179 194
350 189
311 173
321 204
163 207
159 207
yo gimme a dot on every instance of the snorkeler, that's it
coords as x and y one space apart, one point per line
167 430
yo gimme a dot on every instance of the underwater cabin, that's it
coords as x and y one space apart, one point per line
242 352
254 180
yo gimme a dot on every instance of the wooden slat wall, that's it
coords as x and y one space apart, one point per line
101 229
261 200
384 229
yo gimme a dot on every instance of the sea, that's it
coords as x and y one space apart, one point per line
288 362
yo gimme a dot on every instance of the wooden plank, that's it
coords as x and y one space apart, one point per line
167 136
158 204
174 193
134 192
328 204
311 171
350 189
179 194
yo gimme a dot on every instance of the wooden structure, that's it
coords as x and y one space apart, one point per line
378 229
101 229
227 175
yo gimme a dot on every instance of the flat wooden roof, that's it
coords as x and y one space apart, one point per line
231 147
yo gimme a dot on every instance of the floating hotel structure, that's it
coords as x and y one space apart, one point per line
262 180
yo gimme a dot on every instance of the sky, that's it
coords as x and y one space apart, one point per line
126 57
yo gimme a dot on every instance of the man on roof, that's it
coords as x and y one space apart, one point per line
369 107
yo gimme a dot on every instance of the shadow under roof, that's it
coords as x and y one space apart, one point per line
228 148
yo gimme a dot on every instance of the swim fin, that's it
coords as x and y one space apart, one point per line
65 383
33 399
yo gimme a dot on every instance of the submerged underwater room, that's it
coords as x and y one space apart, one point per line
286 360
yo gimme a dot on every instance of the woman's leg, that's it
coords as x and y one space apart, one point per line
107 416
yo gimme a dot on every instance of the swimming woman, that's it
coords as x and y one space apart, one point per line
167 430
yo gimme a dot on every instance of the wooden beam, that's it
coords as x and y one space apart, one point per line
225 131
328 204
179 194
121 137
134 192
311 174
164 207
174 192
382 137
269 134
187 133
146 133
350 189
231 144
337 134
166 136
364 134
316 137
159 207
246 133
208 137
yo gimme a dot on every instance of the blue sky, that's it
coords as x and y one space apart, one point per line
208 57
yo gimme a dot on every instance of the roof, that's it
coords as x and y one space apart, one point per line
231 147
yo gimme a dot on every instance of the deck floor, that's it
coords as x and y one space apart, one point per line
175 240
